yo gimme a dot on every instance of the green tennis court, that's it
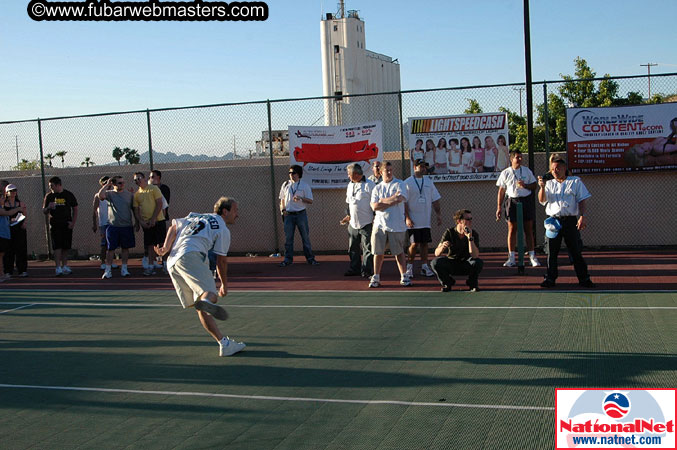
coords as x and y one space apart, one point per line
322 370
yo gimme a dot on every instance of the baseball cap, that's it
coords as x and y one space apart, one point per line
557 158
418 162
552 227
10 187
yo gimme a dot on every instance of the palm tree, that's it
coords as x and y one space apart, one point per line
61 155
87 162
132 156
49 157
118 153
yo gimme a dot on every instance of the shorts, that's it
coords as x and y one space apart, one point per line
528 212
396 240
155 235
191 277
122 237
419 236
4 245
62 236
102 230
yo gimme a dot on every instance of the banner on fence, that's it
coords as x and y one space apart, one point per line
622 139
466 147
325 152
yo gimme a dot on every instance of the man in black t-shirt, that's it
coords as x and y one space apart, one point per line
458 253
62 208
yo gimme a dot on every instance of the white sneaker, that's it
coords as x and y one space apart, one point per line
124 272
229 346
405 281
509 263
410 271
375 281
144 262
427 271
534 261
66 270
59 271
106 274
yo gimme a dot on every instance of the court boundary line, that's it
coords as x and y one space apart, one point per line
408 291
16 309
279 398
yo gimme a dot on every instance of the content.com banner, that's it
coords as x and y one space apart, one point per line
325 152
622 139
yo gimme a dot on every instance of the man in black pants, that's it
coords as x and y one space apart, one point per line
564 199
460 246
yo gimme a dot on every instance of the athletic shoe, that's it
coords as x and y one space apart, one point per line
351 273
106 274
59 271
587 284
426 271
375 281
67 270
509 263
148 271
157 266
210 308
312 262
474 289
547 283
405 281
3 279
23 274
534 261
410 271
285 263
103 266
144 262
124 272
6 276
230 346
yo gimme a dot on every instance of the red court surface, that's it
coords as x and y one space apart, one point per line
611 270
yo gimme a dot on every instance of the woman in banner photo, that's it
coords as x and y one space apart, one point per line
478 153
490 155
468 157
503 153
661 151
441 157
430 155
417 152
454 156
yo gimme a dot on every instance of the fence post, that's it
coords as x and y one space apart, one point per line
44 190
150 141
272 178
546 118
399 110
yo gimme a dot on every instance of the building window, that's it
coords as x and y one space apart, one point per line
335 27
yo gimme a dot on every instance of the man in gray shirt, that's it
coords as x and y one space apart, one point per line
120 232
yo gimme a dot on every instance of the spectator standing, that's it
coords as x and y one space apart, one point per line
359 219
458 253
120 231
375 177
17 253
155 178
518 184
62 208
564 198
387 200
5 234
100 220
422 199
148 212
295 194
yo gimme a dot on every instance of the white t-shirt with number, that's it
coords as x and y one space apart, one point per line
199 233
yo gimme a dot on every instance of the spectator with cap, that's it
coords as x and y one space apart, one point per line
564 198
359 219
17 252
62 208
295 194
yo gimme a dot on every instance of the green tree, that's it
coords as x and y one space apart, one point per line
61 155
118 154
49 157
87 162
132 156
25 164
473 107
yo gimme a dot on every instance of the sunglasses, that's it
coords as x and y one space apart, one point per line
120 183
467 218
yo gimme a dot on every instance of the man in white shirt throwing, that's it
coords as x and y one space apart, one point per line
188 241
564 200
422 198
387 200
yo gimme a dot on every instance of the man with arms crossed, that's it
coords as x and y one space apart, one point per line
188 241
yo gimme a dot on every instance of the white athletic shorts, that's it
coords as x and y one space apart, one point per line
191 277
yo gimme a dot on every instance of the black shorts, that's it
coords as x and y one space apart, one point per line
528 212
4 245
155 235
62 236
419 235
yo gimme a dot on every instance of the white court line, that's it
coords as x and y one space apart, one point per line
176 305
389 290
16 309
281 399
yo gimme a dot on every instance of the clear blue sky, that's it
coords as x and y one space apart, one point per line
65 68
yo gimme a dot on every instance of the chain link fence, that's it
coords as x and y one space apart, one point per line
241 150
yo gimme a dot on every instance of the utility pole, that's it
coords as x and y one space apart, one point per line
16 143
234 149
648 68
520 89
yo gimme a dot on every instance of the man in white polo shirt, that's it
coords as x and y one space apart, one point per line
189 240
359 220
387 200
422 198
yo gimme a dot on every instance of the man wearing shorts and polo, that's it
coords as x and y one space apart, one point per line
422 198
120 230
387 200
62 208
188 241
148 213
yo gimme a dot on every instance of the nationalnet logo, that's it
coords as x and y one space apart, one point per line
615 418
